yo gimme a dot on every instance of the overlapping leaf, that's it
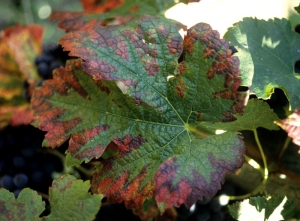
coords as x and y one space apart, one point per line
28 205
118 11
268 52
257 114
69 200
292 126
19 45
160 152
263 209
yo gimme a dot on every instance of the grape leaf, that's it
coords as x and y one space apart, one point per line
128 11
28 205
15 116
25 43
19 45
262 209
69 200
152 122
257 113
292 125
268 51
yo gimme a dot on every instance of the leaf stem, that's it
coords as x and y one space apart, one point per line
62 157
284 147
265 173
199 132
43 195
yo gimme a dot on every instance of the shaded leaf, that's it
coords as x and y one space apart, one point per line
151 123
268 52
117 11
257 114
292 125
70 200
28 205
262 209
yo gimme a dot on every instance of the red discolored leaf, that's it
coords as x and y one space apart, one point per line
19 45
112 12
16 116
292 126
100 6
25 44
155 122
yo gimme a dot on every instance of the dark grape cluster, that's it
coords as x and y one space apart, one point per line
51 58
23 161
115 212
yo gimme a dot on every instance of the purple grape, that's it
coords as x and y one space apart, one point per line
43 59
20 180
37 177
19 162
43 70
17 192
7 182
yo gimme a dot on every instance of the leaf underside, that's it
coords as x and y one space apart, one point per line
268 51
152 123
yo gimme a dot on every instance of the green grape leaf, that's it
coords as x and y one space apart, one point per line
152 121
297 8
118 12
268 51
28 205
262 209
257 113
292 126
70 200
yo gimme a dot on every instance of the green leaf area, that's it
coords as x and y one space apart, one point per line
268 51
256 114
160 151
262 209
128 12
68 197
